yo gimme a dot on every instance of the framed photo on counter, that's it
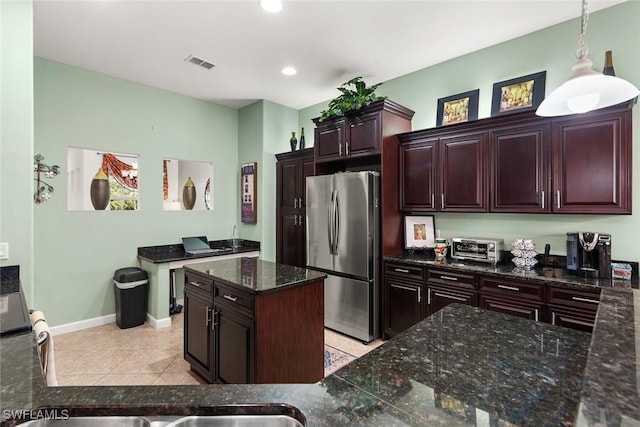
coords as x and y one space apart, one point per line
419 231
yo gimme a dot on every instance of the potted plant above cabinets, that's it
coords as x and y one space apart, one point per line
356 122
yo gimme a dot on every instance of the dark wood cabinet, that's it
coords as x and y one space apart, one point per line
418 164
235 336
359 133
519 168
403 293
592 163
446 287
514 297
572 308
292 170
579 164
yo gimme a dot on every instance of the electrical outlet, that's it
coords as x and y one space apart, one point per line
4 251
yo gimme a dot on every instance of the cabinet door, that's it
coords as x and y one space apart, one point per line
306 169
291 247
288 179
329 140
581 320
363 135
198 335
519 171
234 347
592 164
525 309
463 163
440 297
403 305
418 167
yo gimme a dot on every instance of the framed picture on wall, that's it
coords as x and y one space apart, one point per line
458 108
249 192
519 94
419 231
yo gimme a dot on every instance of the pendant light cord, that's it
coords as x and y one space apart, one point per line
582 49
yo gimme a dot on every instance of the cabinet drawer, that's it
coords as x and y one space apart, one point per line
197 283
579 298
231 297
405 271
452 279
512 288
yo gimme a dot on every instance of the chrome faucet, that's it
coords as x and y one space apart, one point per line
234 241
233 234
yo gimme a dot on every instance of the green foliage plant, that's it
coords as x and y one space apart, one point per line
354 95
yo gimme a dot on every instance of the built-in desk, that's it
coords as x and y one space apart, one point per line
163 262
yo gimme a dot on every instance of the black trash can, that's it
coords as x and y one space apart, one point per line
131 286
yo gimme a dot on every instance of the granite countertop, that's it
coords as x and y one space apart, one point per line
461 366
551 275
256 275
168 253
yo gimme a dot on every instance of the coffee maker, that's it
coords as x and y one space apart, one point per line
589 254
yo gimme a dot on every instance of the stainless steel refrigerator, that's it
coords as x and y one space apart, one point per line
343 228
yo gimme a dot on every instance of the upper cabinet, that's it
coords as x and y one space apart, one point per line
359 133
520 163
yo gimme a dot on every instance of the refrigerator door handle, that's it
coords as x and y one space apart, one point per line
330 223
336 228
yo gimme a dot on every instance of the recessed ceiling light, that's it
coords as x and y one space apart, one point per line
289 71
272 6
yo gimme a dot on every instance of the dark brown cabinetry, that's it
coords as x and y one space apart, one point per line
404 292
292 171
519 166
510 296
445 287
235 336
573 308
359 133
592 164
521 163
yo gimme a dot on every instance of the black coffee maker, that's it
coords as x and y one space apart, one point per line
589 254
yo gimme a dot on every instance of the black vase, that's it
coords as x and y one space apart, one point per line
293 141
302 139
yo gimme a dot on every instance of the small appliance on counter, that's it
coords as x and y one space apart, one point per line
477 249
589 254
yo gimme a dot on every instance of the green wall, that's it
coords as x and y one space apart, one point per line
76 252
16 137
552 49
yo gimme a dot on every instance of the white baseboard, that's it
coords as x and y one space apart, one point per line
158 323
82 324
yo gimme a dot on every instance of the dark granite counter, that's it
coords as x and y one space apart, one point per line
507 269
169 253
461 366
256 275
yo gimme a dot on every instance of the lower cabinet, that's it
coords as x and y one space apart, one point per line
573 308
234 336
445 287
412 292
510 296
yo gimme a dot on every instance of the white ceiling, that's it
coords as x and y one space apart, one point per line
328 41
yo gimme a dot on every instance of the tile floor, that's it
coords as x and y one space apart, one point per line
108 355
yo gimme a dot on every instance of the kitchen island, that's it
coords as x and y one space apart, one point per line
461 366
249 321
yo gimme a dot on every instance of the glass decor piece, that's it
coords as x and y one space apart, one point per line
175 174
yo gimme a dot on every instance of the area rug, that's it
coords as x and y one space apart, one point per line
335 359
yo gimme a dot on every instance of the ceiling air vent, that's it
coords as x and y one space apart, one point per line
200 62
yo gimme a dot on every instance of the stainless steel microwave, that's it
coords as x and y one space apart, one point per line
477 249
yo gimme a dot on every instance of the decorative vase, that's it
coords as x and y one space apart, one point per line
301 139
100 191
440 248
608 64
189 194
293 141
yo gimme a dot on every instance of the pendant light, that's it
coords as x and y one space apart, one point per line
586 89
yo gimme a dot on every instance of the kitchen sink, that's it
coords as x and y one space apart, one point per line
169 421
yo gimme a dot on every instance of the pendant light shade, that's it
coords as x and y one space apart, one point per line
586 89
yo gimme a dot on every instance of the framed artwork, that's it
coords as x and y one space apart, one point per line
249 192
458 108
419 231
519 94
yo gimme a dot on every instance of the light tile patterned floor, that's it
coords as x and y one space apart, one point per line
108 355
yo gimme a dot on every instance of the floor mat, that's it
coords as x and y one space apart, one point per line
335 359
